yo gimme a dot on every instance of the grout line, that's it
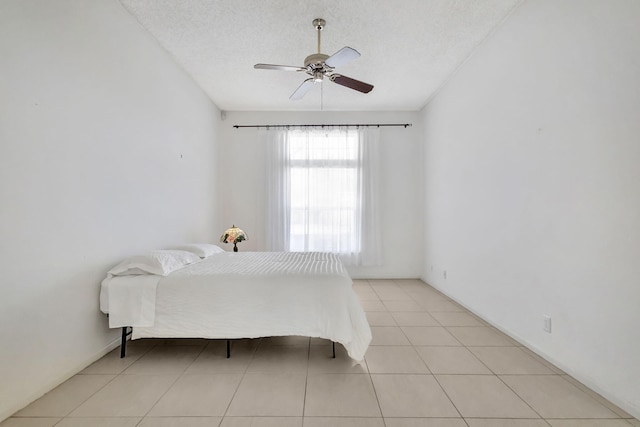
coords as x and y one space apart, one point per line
89 397
173 383
521 398
101 388
244 373
375 392
306 381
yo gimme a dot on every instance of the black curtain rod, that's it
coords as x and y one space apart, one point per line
405 125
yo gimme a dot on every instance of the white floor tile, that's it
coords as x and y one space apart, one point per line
100 422
431 363
425 422
481 336
343 422
66 397
554 397
380 318
165 359
409 318
201 395
588 423
489 422
509 360
456 318
29 422
180 422
429 335
344 395
262 422
126 396
405 396
484 396
269 394
395 360
273 358
452 360
388 335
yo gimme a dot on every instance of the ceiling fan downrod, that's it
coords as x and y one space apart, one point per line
319 24
316 60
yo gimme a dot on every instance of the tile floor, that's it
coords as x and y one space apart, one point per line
431 364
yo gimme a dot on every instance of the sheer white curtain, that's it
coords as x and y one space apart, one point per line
278 190
370 233
322 193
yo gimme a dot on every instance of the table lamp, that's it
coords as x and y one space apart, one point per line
233 235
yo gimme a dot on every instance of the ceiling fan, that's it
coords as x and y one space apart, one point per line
318 66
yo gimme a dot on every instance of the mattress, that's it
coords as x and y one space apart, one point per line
245 295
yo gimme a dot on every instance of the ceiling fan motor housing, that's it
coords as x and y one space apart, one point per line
315 60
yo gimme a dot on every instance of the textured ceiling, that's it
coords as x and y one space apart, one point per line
409 47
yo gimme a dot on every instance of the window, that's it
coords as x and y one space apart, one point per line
321 193
324 191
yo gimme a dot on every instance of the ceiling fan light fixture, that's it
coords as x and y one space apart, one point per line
318 76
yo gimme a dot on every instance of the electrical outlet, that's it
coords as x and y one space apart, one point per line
547 323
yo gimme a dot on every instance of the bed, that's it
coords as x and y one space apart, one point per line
227 295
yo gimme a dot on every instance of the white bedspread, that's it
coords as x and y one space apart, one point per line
247 295
129 300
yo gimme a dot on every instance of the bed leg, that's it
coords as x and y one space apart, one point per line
228 349
333 345
123 343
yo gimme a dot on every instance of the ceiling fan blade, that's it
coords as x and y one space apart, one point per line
341 57
278 67
351 83
302 89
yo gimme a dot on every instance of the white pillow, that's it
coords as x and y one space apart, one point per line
203 250
161 262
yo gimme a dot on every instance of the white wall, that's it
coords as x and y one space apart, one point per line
533 187
242 178
107 149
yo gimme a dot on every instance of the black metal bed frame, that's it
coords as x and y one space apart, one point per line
128 330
